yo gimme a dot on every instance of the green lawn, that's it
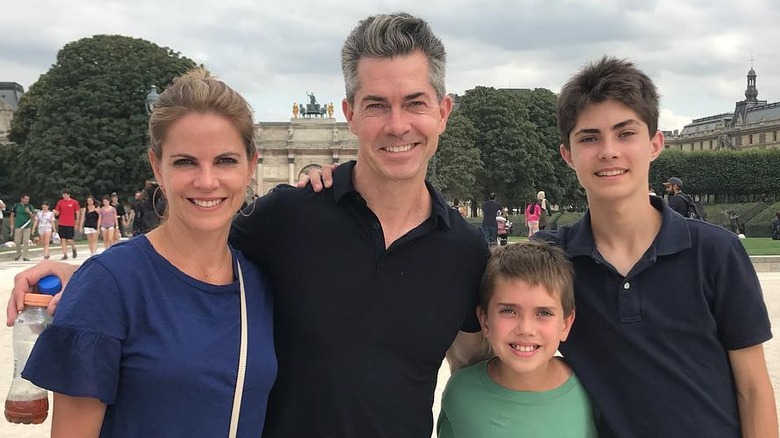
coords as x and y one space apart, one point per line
753 245
761 246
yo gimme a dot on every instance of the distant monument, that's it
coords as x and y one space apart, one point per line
312 109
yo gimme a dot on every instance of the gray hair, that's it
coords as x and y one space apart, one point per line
388 36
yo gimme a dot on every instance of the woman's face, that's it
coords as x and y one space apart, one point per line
203 170
45 207
105 203
90 202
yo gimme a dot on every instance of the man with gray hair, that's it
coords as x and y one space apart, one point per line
359 352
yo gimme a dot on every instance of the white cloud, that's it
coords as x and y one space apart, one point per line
698 52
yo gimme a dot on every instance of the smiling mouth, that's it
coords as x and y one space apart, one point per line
524 348
614 172
207 204
399 149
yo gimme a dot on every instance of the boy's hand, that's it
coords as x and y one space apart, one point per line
318 178
24 281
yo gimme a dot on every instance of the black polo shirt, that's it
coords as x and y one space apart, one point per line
360 330
652 348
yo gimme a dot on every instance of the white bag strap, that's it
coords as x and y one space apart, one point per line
239 392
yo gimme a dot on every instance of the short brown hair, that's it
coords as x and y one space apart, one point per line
198 92
607 79
536 263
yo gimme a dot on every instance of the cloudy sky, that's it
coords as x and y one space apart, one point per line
697 51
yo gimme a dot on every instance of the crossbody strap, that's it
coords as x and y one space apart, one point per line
241 360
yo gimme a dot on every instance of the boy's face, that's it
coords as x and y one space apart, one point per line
524 325
611 150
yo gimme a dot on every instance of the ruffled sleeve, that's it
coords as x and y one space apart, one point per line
75 363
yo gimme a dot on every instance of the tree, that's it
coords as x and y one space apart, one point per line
82 124
512 145
454 168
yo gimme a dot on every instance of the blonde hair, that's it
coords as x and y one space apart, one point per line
198 92
540 195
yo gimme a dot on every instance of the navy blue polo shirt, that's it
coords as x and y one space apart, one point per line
652 347
361 330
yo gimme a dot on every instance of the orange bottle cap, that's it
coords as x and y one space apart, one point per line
41 300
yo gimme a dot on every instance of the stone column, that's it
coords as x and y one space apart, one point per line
259 189
291 167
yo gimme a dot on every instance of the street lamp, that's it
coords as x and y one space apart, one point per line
151 100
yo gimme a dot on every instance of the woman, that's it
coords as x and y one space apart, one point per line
89 223
147 339
532 213
107 222
44 222
545 209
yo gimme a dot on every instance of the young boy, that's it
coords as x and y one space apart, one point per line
671 318
526 309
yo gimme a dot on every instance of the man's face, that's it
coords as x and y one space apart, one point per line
396 117
65 195
138 195
669 189
611 151
25 199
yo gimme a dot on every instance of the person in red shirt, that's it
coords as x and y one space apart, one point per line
68 212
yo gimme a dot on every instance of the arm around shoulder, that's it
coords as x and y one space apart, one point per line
468 349
755 396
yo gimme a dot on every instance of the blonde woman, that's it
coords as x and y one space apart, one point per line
146 339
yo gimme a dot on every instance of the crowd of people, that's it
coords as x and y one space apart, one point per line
69 220
258 333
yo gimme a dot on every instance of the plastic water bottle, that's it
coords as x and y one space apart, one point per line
27 403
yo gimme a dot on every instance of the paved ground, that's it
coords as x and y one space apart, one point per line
769 280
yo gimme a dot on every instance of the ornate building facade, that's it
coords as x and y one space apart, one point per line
289 149
754 124
10 93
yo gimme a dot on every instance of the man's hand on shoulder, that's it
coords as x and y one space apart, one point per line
318 178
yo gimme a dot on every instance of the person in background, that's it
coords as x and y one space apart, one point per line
2 209
136 213
461 209
44 223
22 215
89 223
146 341
776 226
107 222
121 215
68 213
675 196
526 310
490 209
533 212
545 209
501 226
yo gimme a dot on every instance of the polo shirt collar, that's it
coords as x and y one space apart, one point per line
343 185
674 235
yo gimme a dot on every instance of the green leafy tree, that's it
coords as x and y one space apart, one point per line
456 163
517 139
83 125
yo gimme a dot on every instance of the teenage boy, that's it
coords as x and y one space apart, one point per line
68 213
526 309
670 316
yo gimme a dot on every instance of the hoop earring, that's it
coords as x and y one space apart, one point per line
154 202
252 197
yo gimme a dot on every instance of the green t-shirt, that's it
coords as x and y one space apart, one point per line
473 405
23 219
